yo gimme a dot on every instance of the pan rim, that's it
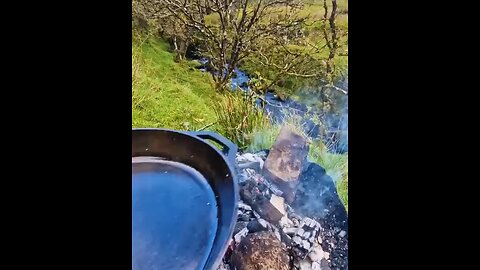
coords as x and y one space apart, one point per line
214 261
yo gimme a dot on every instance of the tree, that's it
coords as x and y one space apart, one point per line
228 31
154 14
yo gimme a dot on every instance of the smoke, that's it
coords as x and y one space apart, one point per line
325 114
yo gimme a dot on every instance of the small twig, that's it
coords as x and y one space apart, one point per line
209 125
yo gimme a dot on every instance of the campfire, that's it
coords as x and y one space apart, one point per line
290 215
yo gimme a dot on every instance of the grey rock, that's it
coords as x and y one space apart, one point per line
260 250
243 206
285 222
256 226
290 231
306 244
317 254
297 240
240 226
240 235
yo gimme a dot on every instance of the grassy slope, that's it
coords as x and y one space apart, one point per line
168 94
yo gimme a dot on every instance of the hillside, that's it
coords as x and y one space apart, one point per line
168 94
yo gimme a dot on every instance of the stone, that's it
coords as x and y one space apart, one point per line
243 217
285 160
342 233
317 254
307 221
296 223
319 239
297 240
317 197
324 265
252 165
277 234
304 265
246 174
257 225
285 222
240 226
306 244
243 206
223 266
251 161
286 239
273 188
240 235
290 231
260 251
272 210
262 154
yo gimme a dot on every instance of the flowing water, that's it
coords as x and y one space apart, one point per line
306 107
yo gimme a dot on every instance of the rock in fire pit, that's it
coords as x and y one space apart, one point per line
285 160
261 250
289 216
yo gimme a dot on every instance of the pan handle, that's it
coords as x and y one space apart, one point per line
229 149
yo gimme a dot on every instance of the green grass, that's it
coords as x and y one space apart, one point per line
335 165
237 117
168 94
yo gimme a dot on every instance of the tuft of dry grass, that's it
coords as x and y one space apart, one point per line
237 117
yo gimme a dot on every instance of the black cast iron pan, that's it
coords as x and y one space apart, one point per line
184 199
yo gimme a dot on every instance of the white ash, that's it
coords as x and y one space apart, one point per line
285 222
317 254
277 234
309 243
246 174
243 206
223 266
274 189
249 160
240 235
290 231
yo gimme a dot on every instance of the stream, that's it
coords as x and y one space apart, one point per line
335 124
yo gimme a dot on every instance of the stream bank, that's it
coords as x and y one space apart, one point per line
332 125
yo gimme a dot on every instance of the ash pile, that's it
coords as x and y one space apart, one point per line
289 216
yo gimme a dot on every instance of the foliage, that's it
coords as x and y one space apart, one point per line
237 117
229 32
263 137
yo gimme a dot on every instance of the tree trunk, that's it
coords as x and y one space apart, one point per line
180 48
